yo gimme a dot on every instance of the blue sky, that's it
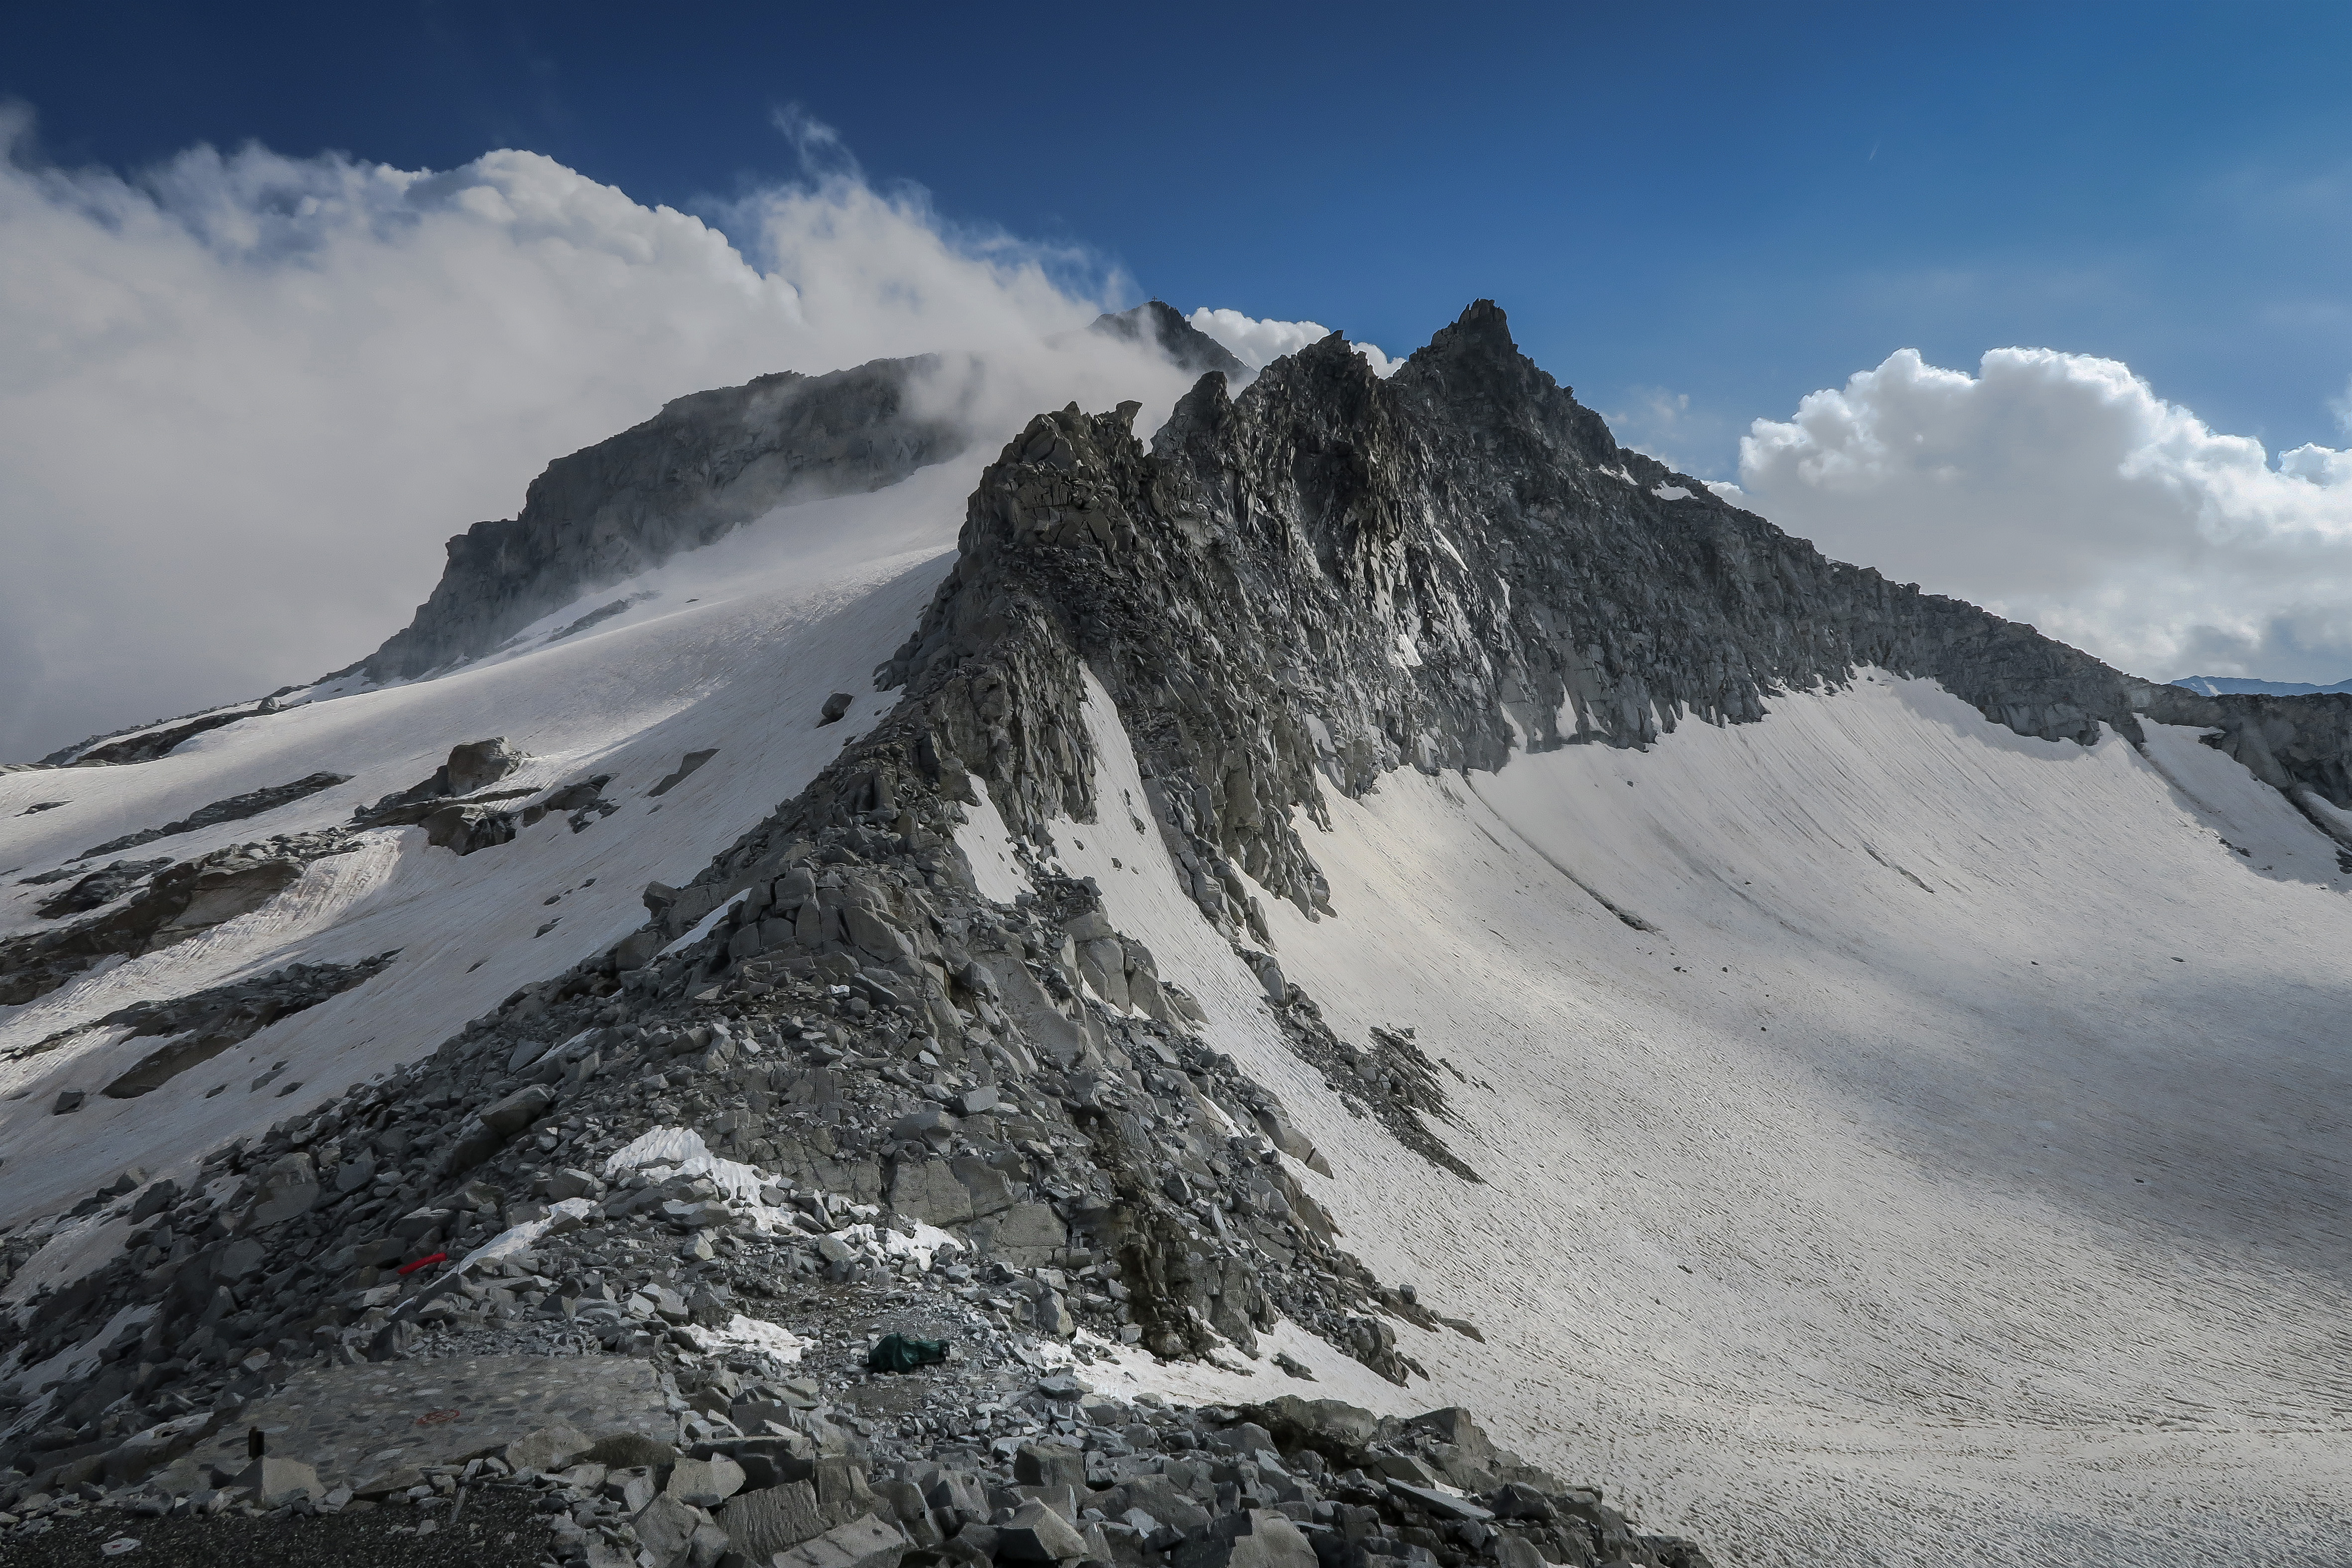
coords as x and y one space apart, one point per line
2043 307
1732 203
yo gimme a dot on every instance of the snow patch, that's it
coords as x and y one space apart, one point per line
706 926
518 1239
752 1335
923 1243
987 843
667 1152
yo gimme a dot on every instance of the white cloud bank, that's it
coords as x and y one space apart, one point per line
243 398
2059 489
1257 344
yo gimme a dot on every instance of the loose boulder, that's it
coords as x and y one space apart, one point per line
478 764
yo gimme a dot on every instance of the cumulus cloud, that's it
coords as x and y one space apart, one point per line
244 397
2059 489
1258 343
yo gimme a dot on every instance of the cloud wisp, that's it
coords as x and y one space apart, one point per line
243 398
2059 489
1257 343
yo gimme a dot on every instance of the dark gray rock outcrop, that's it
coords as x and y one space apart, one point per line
177 902
146 741
2240 686
2291 743
101 886
194 1029
152 744
473 766
460 811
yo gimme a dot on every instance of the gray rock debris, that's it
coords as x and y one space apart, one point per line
197 1027
457 808
101 886
583 800
822 1035
1288 1484
1390 1079
235 809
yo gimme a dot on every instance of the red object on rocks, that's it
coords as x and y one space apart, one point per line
422 1262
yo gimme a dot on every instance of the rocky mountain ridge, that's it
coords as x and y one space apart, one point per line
1339 575
1644 600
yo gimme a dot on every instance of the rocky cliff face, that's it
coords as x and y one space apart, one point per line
2301 746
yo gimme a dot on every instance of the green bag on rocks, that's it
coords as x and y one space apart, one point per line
902 1352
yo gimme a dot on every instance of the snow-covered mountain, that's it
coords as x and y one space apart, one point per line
1406 890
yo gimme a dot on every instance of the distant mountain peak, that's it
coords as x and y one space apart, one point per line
2247 686
1159 322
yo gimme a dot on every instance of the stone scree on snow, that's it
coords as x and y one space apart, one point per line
831 1091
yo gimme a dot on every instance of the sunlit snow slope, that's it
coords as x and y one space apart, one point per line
1973 1121
734 646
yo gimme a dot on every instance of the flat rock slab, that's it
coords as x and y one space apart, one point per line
355 1423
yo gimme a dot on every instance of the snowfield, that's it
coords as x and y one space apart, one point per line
1972 1126
1903 1142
